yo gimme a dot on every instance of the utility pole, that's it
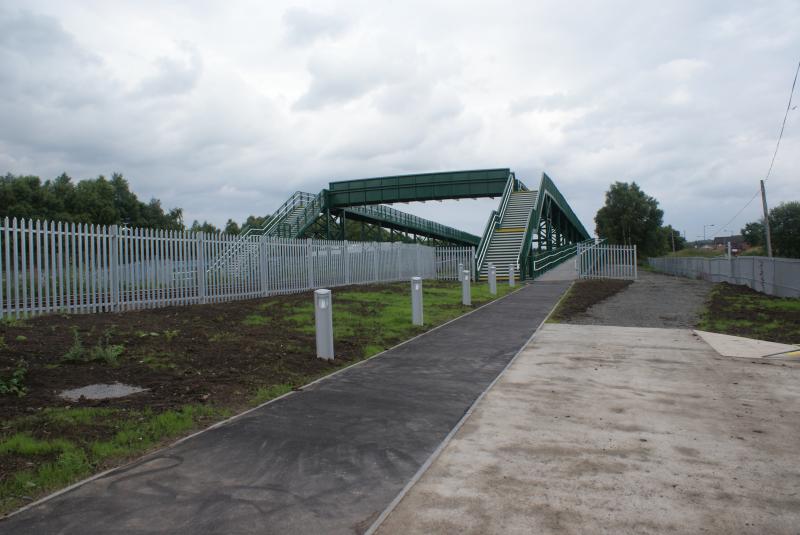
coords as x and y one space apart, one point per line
766 219
672 235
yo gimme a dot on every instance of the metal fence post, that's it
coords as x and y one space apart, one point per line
323 318
113 276
263 263
473 262
460 271
416 300
511 281
466 289
492 279
399 261
347 262
375 255
310 263
201 267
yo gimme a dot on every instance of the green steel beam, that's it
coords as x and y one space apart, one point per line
392 219
420 187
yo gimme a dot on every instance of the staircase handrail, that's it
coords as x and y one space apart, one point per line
504 200
483 246
495 219
387 213
298 198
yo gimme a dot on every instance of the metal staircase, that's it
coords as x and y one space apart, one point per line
505 243
288 221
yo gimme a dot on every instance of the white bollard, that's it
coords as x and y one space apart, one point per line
511 281
416 300
323 316
460 271
492 279
466 290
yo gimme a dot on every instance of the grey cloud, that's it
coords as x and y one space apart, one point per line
304 26
555 101
340 79
173 76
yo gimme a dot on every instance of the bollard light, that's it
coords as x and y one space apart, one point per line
416 300
492 279
460 271
466 291
511 281
323 317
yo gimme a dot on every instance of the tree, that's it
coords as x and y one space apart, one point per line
753 233
784 221
205 226
232 227
97 201
673 236
631 217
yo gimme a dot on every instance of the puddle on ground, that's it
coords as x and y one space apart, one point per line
101 391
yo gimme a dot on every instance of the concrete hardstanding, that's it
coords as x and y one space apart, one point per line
619 430
327 459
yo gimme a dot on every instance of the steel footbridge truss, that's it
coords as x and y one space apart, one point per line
526 223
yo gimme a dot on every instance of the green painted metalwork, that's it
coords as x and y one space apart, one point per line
325 214
495 218
570 228
419 187
395 219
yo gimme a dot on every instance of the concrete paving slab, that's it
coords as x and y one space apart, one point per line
327 459
738 346
618 430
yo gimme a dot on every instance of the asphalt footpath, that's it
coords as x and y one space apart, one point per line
326 459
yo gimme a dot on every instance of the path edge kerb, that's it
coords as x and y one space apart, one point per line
447 439
244 413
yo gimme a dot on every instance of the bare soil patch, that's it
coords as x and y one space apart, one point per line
584 294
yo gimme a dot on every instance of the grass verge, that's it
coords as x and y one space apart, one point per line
739 311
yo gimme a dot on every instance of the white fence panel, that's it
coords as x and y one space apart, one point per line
772 276
604 261
56 267
448 259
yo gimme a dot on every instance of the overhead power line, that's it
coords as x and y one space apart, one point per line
774 154
783 125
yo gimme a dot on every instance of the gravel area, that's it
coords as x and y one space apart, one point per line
654 300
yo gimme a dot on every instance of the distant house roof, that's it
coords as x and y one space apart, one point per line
722 240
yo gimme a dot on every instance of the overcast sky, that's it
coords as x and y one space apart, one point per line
226 108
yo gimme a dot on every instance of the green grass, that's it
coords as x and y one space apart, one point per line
254 320
58 462
754 251
266 393
705 253
224 337
740 311
384 317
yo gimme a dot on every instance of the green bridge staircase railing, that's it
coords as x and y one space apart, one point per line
548 193
512 184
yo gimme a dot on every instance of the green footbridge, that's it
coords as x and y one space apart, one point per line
531 229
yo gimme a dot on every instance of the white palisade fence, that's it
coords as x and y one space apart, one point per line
448 259
605 261
56 267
